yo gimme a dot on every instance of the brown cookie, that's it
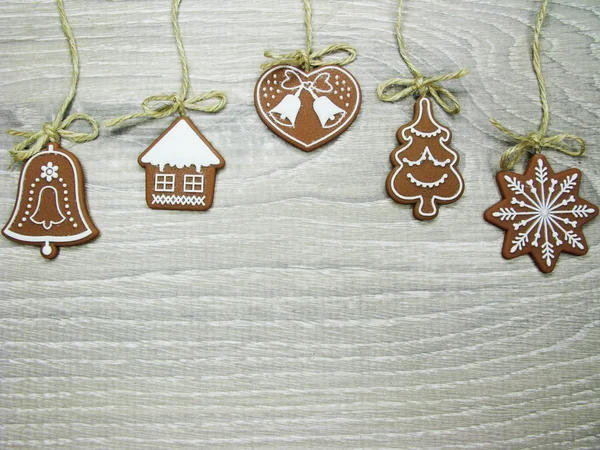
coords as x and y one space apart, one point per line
307 109
181 168
541 213
425 172
51 211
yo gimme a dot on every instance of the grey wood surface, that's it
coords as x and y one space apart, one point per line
305 309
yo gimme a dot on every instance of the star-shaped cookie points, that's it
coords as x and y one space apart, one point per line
541 213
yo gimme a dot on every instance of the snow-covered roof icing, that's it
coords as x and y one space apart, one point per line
181 147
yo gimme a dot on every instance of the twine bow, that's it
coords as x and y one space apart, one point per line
159 106
307 58
165 105
35 141
534 143
310 59
389 91
399 88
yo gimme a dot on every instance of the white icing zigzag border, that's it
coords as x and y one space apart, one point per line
184 200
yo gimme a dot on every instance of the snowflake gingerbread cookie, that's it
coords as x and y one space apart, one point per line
541 213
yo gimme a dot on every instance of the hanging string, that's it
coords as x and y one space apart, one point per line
307 58
159 106
35 141
534 142
399 88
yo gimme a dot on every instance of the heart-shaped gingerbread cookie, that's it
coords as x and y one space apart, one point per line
307 109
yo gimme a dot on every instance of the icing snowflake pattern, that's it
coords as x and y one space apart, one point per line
541 213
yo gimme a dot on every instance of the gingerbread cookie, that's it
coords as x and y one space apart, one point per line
425 172
181 168
541 213
307 109
51 211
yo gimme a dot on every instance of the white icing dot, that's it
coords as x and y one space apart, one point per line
344 82
268 105
74 225
275 82
65 185
348 95
335 92
347 105
68 213
275 76
20 225
337 77
30 199
66 199
266 95
71 220
32 184
348 88
24 219
65 192
29 206
37 180
60 180
341 97
265 89
279 91
46 249
273 97
337 83
31 192
26 213
343 89
268 81
67 206
271 89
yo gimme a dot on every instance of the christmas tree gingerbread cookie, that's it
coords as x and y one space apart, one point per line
425 172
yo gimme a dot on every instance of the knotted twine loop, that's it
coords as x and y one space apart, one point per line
536 141
307 58
399 88
35 141
165 105
160 106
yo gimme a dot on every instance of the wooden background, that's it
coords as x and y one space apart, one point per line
305 309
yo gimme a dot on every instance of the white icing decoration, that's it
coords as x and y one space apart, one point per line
181 147
549 214
183 200
47 239
424 184
281 127
408 138
426 155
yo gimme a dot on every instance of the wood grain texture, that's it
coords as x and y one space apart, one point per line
306 309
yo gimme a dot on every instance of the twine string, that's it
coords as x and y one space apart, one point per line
307 58
34 141
535 141
396 89
164 105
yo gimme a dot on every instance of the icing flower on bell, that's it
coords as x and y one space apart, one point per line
49 172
